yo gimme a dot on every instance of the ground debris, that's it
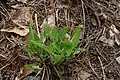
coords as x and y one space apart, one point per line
100 38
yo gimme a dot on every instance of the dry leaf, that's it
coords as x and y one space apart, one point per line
25 71
16 30
114 29
67 36
115 33
117 39
118 59
94 22
24 1
107 41
50 20
19 5
110 42
84 75
22 15
103 39
15 6
111 33
104 15
21 19
17 78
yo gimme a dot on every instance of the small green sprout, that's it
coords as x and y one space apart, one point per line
52 43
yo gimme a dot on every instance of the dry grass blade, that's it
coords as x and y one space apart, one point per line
94 71
104 76
83 10
36 21
3 56
3 10
4 66
38 73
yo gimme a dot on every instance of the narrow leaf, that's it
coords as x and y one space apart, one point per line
62 33
31 32
43 46
56 58
75 38
46 30
54 34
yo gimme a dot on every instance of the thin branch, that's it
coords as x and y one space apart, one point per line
97 49
43 73
3 56
102 68
83 10
94 70
108 64
37 73
4 66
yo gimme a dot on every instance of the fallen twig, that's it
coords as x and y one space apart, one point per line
102 68
93 70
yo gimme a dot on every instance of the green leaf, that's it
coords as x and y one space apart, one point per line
31 36
46 30
32 48
29 49
55 45
32 67
67 45
42 37
67 48
31 32
36 38
56 58
62 33
80 49
43 46
75 38
54 34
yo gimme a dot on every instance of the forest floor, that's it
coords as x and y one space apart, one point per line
100 36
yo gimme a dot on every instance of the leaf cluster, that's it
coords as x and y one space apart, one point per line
52 43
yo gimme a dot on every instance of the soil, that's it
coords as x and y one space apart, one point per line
97 62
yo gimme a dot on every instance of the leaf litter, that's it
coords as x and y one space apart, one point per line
98 42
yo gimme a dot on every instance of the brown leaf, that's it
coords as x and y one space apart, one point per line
117 39
17 78
84 75
25 71
24 1
81 74
16 30
50 20
21 19
107 41
67 36
94 22
22 15
115 33
118 59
